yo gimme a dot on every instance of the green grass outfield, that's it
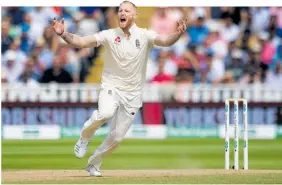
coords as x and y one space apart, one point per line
144 154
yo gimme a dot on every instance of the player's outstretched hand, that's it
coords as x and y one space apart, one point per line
182 25
58 27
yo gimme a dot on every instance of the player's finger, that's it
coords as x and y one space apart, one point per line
63 21
54 21
180 25
180 29
186 19
183 29
183 23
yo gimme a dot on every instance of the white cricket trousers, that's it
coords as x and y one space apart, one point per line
110 106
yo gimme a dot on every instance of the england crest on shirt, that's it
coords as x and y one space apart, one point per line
117 40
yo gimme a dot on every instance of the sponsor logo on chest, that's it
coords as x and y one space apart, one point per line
137 43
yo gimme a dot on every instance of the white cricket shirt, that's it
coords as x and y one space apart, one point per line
125 58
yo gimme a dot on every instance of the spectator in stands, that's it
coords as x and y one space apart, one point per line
162 77
170 67
253 68
231 47
195 12
268 50
216 50
236 66
96 14
70 61
230 31
20 55
215 42
39 67
245 20
260 19
17 15
111 18
45 55
176 13
40 18
51 39
191 58
245 29
70 14
276 13
88 25
26 41
227 78
162 22
28 82
11 67
28 72
203 73
73 20
185 77
6 39
215 68
236 14
56 73
225 10
198 32
274 39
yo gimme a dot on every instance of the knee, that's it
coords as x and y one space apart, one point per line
106 114
117 138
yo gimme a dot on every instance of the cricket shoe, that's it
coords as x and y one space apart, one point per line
80 148
93 170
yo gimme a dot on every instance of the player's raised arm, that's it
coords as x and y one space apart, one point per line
168 40
72 39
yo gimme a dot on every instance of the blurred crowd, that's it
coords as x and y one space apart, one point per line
221 45
32 53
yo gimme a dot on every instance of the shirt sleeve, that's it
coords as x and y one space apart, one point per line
151 35
101 37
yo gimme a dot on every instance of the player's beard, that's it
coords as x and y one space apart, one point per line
123 24
126 24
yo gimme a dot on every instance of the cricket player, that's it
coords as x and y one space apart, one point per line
126 53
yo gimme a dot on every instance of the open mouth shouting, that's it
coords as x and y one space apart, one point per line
122 20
